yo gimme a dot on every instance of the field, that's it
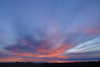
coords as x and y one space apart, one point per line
77 64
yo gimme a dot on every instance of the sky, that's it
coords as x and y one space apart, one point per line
49 30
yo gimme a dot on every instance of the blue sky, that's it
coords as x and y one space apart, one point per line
49 30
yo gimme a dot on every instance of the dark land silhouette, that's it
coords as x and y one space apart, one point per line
31 64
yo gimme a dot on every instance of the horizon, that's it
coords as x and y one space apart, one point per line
55 62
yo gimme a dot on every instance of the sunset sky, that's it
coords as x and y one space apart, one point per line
49 30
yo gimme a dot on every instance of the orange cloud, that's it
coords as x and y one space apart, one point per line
90 31
42 52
